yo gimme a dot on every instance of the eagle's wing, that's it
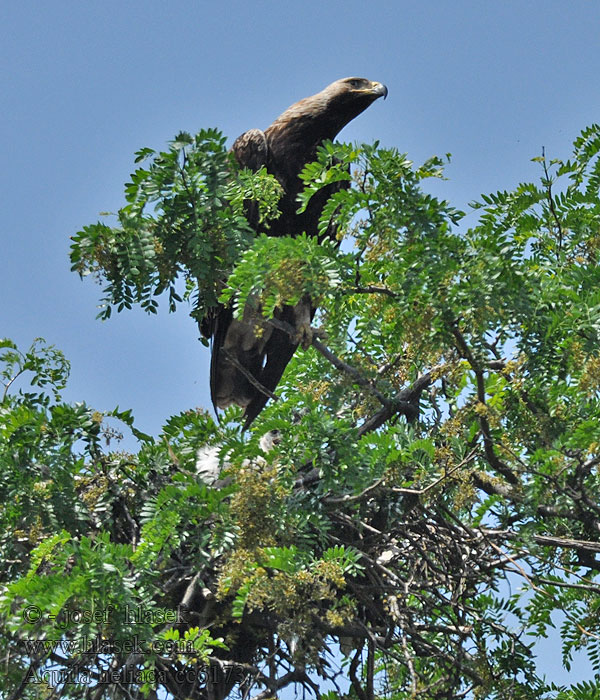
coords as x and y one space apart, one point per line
278 351
237 348
238 355
280 346
251 151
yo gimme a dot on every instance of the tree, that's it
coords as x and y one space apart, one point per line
433 501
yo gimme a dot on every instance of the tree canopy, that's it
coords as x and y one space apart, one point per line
433 507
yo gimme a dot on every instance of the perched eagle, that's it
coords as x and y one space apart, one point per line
247 365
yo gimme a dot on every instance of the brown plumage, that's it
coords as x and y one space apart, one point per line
246 366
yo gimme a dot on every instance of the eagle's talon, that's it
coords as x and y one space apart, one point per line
304 336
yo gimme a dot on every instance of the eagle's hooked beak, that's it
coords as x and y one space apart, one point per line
379 89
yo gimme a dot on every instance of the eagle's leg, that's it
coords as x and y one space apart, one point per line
306 334
238 360
303 315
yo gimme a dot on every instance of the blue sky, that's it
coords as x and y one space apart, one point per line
85 84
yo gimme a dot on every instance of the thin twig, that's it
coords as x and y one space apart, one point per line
470 457
372 289
255 383
347 498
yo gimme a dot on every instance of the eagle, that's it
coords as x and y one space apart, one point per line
248 356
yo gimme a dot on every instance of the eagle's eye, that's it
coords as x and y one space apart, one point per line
355 83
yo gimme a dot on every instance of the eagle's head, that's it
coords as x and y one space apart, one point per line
345 99
356 90
350 96
325 114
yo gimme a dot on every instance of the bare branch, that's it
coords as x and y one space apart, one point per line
298 674
566 542
337 362
352 372
404 403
